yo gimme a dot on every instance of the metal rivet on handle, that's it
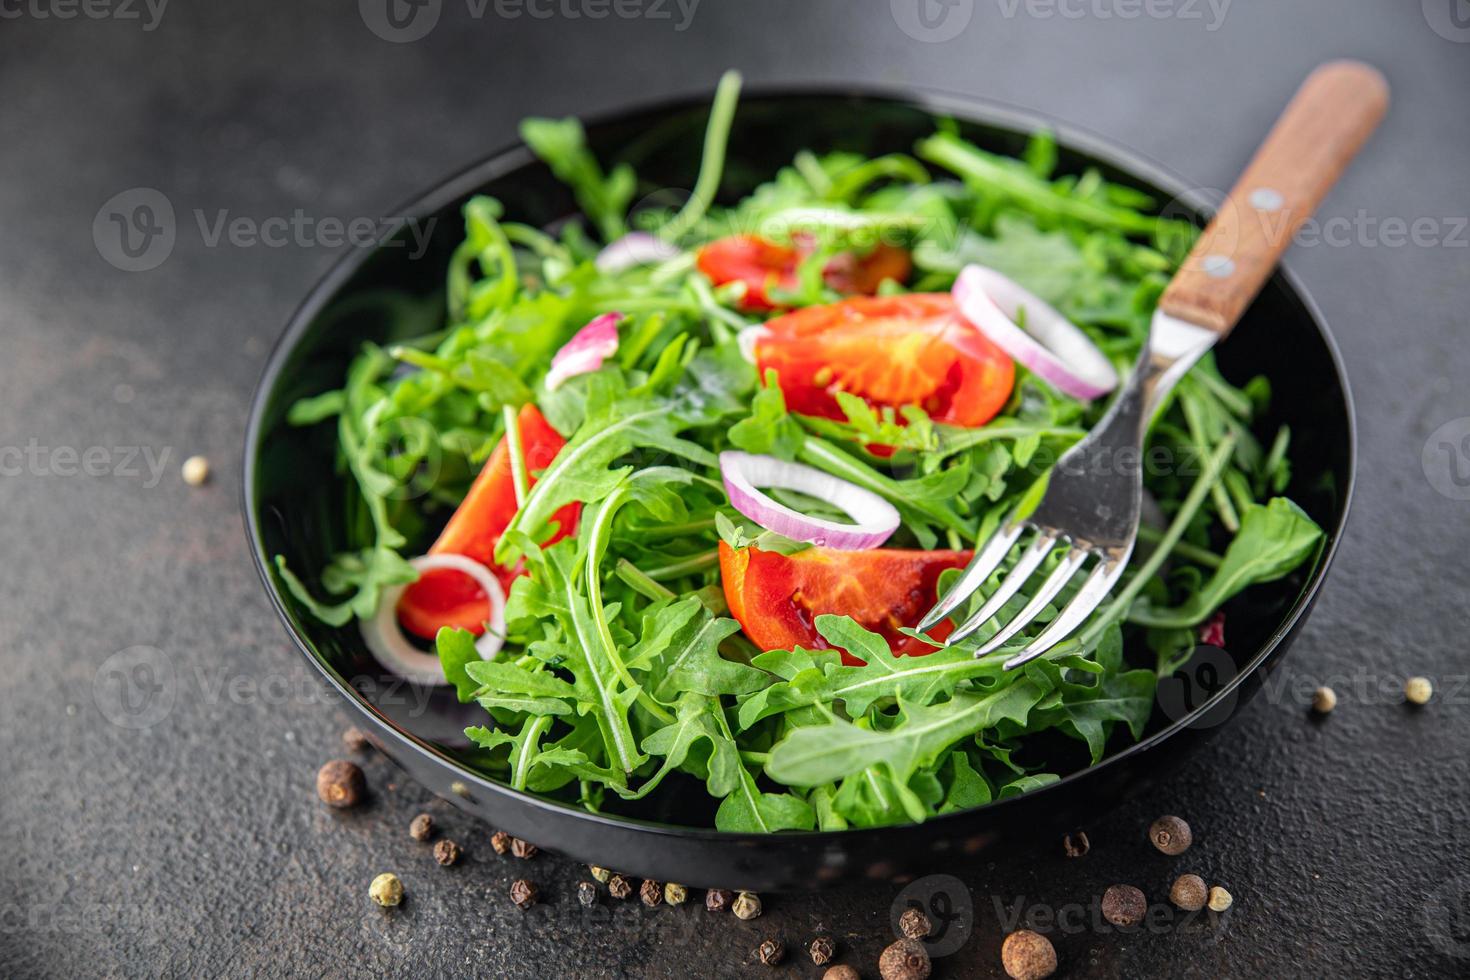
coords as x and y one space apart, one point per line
1266 199
1218 266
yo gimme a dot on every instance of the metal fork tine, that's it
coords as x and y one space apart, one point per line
1099 583
985 562
1054 583
1034 554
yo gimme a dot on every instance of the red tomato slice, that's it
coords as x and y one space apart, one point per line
761 265
891 351
777 598
444 597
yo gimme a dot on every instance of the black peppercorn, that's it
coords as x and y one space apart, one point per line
618 886
771 952
587 893
651 893
1124 906
822 950
500 842
522 849
422 827
906 959
914 924
340 783
1075 845
523 893
1170 835
718 900
446 852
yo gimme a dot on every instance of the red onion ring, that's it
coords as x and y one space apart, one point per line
875 519
634 248
586 351
1051 345
384 635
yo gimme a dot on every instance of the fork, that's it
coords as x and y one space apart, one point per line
1094 511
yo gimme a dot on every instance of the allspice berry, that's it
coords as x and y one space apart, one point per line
1124 906
500 842
771 952
843 972
587 893
446 852
718 900
914 924
1075 845
1324 699
1028 955
747 906
651 893
1418 690
906 959
675 894
822 949
523 893
522 849
422 827
619 887
1170 835
1189 893
1219 899
386 890
340 783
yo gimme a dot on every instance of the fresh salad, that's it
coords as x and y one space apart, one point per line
667 491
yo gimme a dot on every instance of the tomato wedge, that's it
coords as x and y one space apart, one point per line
891 351
444 597
761 264
777 598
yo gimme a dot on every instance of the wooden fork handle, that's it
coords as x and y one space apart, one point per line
1322 129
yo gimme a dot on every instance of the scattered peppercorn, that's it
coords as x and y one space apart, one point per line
522 849
842 972
675 894
914 924
446 852
196 471
1324 699
619 887
587 893
356 740
906 959
1124 906
1028 955
1076 845
1219 899
340 783
1189 893
1170 835
718 900
771 952
747 906
523 893
651 893
422 827
500 842
601 874
386 890
1418 690
822 950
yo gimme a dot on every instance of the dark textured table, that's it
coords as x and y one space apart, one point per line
180 836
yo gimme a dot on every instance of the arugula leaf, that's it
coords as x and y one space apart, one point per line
562 143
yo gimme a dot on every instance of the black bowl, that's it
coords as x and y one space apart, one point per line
294 497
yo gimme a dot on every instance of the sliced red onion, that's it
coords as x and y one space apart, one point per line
393 650
586 351
634 248
748 338
1050 345
875 519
